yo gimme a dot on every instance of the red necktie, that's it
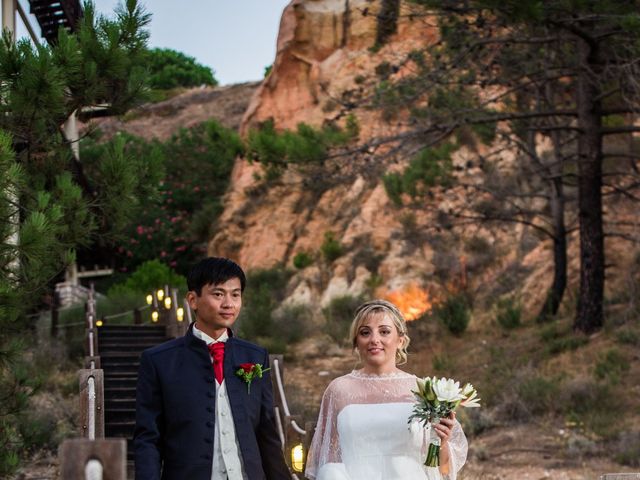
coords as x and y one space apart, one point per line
217 352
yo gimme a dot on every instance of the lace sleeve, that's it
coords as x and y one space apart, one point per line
457 451
325 447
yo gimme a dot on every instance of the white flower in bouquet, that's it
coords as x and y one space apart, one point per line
436 399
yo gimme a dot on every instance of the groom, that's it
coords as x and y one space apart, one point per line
196 418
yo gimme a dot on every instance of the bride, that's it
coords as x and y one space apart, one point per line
362 431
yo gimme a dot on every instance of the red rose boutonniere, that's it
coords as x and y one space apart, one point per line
249 371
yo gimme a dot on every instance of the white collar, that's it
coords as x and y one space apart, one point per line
207 339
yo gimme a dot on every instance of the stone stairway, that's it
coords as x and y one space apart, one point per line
120 347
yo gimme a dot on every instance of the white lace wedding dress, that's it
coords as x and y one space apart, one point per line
363 432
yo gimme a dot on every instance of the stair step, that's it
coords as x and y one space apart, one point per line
120 382
119 392
121 415
122 429
117 403
124 348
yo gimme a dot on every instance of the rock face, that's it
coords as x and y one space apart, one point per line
324 56
324 60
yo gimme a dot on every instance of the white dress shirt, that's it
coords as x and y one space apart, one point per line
227 462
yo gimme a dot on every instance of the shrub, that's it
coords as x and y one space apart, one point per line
563 344
538 394
430 167
582 401
338 316
265 290
628 337
442 363
38 430
331 248
629 449
169 69
293 322
454 313
148 277
611 366
302 260
508 314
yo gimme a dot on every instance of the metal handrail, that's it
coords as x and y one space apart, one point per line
285 406
91 392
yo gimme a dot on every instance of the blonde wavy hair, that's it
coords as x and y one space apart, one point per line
364 311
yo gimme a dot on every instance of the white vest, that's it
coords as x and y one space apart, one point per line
227 462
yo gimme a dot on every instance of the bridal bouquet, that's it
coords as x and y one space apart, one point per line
436 399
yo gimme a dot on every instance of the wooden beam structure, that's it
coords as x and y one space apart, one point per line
55 14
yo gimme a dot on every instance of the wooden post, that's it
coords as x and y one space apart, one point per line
98 376
96 363
55 317
76 452
137 316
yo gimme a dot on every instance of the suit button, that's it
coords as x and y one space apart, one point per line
211 395
208 440
210 409
210 424
208 379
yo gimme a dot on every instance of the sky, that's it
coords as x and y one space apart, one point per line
236 38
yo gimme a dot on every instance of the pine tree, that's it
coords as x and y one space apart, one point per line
49 204
562 70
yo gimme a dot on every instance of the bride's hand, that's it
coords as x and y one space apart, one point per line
445 427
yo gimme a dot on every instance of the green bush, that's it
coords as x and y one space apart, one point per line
430 167
454 313
38 431
563 344
293 322
170 69
277 150
331 248
629 449
265 291
628 337
148 277
582 401
611 365
302 260
442 363
508 314
539 394
339 314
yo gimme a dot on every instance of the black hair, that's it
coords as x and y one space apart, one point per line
214 271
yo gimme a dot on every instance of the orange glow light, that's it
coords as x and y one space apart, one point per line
412 301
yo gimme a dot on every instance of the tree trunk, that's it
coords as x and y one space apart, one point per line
556 292
589 315
387 20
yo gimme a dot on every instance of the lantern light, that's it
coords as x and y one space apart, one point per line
167 303
180 314
160 294
154 316
297 458
99 323
149 299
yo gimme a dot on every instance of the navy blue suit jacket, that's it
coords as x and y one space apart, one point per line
175 412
